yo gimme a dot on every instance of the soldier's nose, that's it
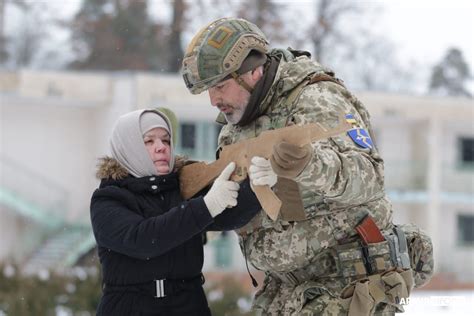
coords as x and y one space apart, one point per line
213 98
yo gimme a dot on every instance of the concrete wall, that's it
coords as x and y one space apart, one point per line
58 143
169 91
404 169
455 257
11 227
456 176
67 85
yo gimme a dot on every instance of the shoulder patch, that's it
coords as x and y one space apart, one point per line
359 135
350 119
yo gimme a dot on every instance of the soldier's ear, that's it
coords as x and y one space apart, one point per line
257 73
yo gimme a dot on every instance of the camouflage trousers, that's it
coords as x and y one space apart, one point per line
375 295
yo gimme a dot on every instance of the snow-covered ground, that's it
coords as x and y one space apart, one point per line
436 303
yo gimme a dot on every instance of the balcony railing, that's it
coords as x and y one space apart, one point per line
406 175
413 176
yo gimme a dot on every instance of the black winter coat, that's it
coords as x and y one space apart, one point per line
145 232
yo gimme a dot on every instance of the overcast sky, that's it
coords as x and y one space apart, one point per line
421 29
424 29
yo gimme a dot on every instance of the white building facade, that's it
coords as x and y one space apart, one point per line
54 126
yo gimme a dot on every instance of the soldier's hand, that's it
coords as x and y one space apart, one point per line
261 172
289 160
223 192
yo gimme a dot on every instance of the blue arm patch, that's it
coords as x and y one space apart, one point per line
361 137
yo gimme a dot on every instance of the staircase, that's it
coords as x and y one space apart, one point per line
62 249
12 201
28 194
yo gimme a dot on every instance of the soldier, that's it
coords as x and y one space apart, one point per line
333 249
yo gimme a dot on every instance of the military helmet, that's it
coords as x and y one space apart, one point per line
218 51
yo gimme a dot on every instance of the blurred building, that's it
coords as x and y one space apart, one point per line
54 126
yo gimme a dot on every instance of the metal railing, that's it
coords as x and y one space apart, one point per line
33 192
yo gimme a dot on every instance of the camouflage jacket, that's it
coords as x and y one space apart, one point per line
342 183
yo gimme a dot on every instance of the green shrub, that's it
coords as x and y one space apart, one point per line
77 291
224 298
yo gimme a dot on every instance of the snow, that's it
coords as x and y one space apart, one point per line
43 274
8 271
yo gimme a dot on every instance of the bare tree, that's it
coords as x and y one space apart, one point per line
25 45
117 35
3 37
450 75
202 12
3 40
343 37
371 65
267 15
177 26
327 31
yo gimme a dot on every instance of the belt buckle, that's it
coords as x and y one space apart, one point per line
160 288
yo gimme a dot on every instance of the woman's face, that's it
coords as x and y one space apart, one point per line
157 142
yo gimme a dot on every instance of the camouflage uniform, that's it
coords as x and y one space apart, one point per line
341 184
312 257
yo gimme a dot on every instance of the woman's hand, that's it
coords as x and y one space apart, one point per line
223 192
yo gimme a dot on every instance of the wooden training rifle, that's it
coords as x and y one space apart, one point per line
194 177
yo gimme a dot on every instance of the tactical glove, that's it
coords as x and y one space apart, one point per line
261 172
289 160
223 192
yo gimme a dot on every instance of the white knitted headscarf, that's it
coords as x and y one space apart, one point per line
127 143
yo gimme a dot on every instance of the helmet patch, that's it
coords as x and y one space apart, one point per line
220 37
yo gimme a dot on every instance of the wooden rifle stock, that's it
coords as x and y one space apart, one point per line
196 176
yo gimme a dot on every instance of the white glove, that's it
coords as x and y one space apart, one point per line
223 192
261 172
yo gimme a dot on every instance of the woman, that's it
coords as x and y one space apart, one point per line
149 239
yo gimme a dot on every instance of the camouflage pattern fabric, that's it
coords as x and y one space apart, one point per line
342 183
420 249
218 50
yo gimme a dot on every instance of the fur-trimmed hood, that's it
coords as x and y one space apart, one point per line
109 168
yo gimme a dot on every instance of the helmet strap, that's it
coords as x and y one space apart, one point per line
241 82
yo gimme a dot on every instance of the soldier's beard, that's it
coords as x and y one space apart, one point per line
235 112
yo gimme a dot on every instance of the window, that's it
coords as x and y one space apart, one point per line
467 150
188 135
223 251
466 230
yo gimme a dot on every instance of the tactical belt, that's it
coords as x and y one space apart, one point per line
312 271
374 253
157 288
